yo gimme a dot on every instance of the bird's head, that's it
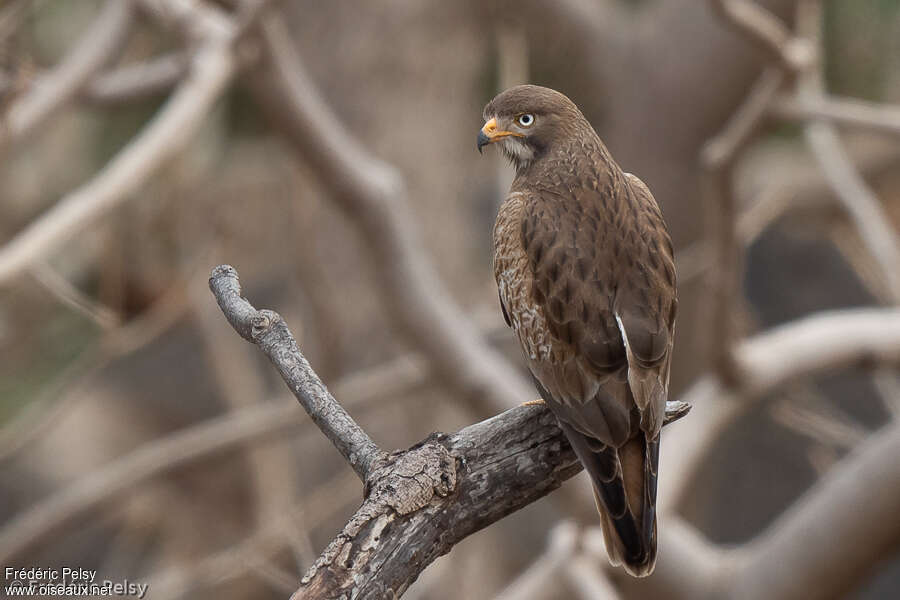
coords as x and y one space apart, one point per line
527 120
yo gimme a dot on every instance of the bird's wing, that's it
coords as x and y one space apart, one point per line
645 308
603 278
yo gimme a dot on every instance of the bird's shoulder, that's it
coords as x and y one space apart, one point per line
646 298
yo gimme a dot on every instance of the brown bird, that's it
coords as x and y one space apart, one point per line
586 275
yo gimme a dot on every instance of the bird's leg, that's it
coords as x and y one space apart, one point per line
536 402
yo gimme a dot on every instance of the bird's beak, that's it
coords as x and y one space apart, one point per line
490 134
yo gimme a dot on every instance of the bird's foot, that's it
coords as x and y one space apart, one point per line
537 402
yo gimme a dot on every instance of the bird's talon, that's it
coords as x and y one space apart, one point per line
537 402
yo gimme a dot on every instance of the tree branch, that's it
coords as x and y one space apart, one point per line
717 159
879 118
818 343
133 82
267 330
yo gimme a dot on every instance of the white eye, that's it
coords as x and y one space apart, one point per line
526 120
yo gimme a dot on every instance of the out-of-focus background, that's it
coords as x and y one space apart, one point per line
327 151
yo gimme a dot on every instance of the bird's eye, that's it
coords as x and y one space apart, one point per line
526 120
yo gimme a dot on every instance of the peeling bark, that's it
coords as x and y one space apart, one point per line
423 501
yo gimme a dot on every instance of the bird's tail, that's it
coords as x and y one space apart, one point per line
630 535
625 489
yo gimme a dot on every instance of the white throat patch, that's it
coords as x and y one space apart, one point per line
516 150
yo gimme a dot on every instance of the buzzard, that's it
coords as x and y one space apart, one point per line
586 276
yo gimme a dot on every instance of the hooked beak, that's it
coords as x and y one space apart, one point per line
489 134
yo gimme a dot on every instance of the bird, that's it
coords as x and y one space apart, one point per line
585 272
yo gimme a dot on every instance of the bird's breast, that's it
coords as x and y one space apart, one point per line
514 282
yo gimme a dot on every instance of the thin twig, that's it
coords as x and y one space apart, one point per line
268 330
240 383
860 202
137 81
64 291
818 421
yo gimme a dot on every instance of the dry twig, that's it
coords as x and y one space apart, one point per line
267 330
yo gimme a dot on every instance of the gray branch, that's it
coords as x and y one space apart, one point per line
267 330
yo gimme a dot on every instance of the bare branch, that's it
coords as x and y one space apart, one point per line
818 343
374 197
212 68
878 118
860 202
766 31
723 149
267 330
133 82
717 158
68 294
93 50
32 527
